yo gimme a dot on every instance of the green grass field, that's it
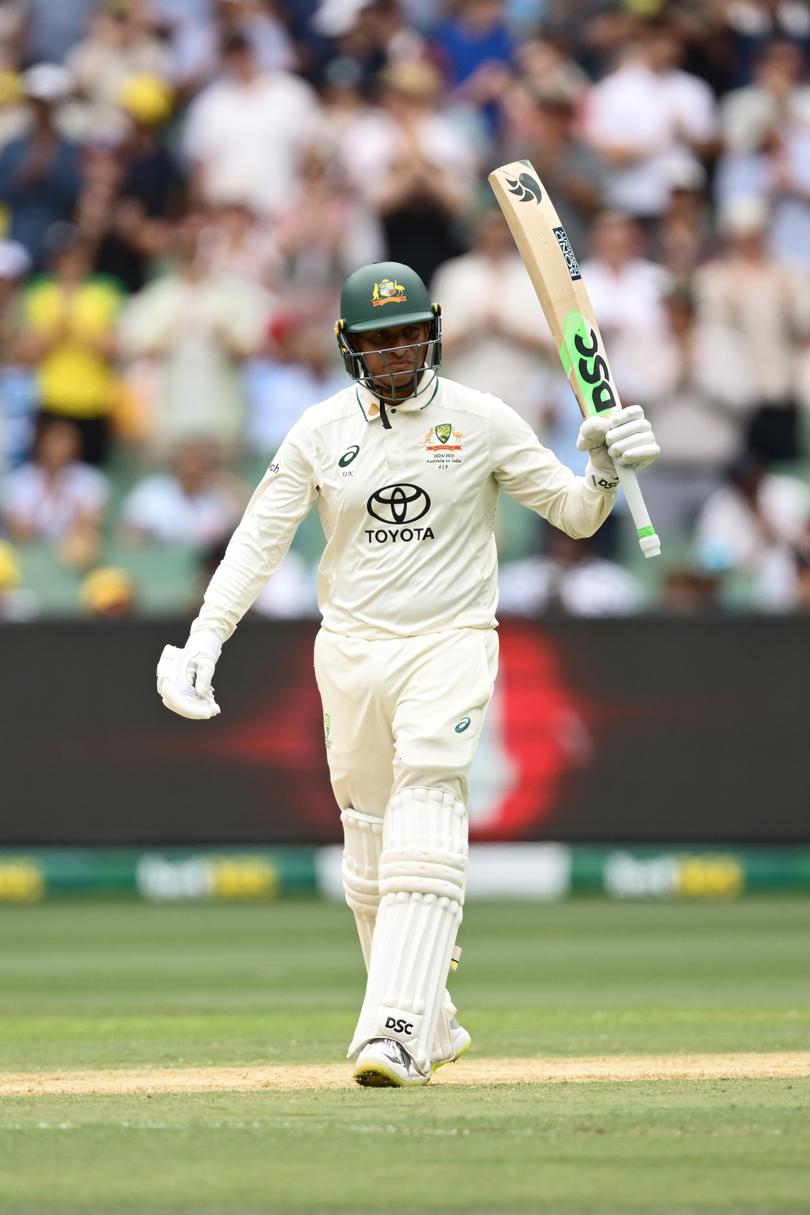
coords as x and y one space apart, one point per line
105 987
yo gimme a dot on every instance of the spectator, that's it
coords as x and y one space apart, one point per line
197 40
53 28
546 68
335 18
265 24
12 31
198 326
695 381
751 526
196 43
169 14
569 579
315 46
543 129
644 115
377 36
326 230
290 593
194 37
598 30
298 370
192 503
751 116
242 134
56 498
152 176
39 170
801 600
766 136
14 115
108 593
701 279
69 336
129 191
344 107
414 168
17 387
752 24
684 236
626 289
767 304
242 245
16 603
690 591
477 51
119 44
476 47
494 333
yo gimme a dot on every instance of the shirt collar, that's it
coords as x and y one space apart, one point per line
370 404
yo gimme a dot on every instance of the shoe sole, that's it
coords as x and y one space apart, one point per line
377 1075
461 1051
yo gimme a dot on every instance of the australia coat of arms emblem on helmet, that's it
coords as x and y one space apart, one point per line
388 292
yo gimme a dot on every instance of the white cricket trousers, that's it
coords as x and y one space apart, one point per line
403 712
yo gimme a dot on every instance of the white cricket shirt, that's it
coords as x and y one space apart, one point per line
408 511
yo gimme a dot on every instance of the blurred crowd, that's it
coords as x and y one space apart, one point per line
184 185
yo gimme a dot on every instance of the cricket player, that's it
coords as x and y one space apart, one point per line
405 468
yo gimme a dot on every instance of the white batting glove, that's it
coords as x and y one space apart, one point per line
624 437
184 676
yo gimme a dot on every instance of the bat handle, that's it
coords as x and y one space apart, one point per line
648 540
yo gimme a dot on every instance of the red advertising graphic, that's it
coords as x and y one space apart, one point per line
645 729
535 732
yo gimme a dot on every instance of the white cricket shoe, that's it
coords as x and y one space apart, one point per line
462 1042
385 1063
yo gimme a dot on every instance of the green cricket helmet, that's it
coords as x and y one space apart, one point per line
385 295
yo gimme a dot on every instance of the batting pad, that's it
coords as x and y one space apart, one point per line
423 869
362 845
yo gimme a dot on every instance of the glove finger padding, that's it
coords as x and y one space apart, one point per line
633 445
592 433
638 456
201 672
177 693
620 430
630 439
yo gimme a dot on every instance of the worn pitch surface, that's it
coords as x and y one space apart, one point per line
298 1077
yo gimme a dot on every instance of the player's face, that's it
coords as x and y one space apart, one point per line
393 356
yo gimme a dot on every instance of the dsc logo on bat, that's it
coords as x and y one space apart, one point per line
581 351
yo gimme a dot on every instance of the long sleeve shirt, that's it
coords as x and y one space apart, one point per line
407 502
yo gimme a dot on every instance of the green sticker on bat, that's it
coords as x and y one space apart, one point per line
582 352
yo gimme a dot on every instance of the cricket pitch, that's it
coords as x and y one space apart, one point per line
299 1077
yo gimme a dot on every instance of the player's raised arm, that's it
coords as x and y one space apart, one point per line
533 476
257 548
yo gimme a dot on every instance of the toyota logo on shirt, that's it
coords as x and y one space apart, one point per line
398 504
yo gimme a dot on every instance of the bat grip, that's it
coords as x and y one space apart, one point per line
648 540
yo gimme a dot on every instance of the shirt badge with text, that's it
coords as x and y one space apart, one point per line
442 445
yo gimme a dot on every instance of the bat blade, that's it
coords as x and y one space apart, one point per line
552 265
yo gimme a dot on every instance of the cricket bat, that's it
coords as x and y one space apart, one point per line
554 271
